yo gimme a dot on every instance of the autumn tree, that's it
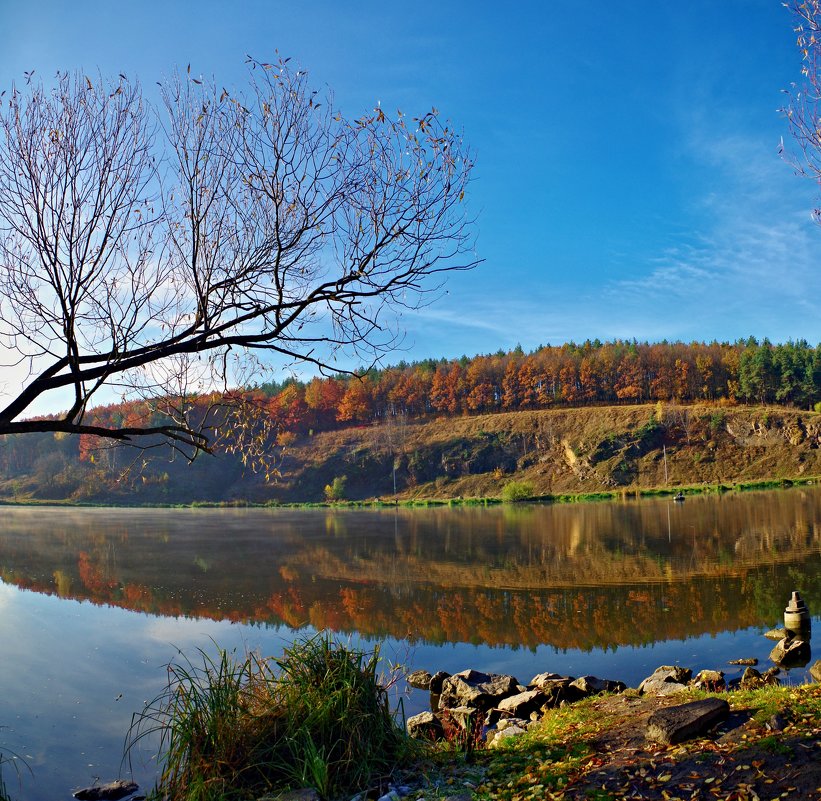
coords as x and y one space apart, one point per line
165 251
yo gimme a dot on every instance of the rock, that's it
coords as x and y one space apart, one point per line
549 679
777 722
751 679
776 634
435 684
793 652
522 704
111 791
675 724
666 680
302 794
464 717
815 670
503 735
590 685
420 679
558 689
475 689
750 662
425 726
711 680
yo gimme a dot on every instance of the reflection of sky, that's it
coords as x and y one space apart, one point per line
73 674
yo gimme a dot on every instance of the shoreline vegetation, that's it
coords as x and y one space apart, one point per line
623 494
316 724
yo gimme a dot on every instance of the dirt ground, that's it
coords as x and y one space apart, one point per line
742 759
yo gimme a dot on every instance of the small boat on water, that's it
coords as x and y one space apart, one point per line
679 497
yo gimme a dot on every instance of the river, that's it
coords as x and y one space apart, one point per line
94 603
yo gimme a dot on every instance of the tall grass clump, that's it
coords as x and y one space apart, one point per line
235 729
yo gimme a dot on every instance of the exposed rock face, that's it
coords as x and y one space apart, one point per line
666 680
475 689
678 723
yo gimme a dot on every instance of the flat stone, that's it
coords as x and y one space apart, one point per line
549 679
661 687
678 723
776 634
111 791
591 685
523 704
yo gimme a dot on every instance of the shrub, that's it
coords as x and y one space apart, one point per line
239 729
335 491
517 491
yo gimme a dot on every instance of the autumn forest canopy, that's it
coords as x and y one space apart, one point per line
592 373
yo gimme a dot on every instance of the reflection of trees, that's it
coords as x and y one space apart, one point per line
593 576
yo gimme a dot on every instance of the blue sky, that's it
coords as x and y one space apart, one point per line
627 181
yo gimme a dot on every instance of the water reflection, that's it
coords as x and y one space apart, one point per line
586 576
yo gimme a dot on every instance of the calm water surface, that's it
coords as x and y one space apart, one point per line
95 603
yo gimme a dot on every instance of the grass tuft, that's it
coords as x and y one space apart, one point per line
233 729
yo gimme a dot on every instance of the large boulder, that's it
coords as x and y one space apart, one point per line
473 688
815 670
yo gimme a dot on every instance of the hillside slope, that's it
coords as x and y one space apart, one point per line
556 451
583 450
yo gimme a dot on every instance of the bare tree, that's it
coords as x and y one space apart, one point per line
168 252
803 110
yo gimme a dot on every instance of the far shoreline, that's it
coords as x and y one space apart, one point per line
624 494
